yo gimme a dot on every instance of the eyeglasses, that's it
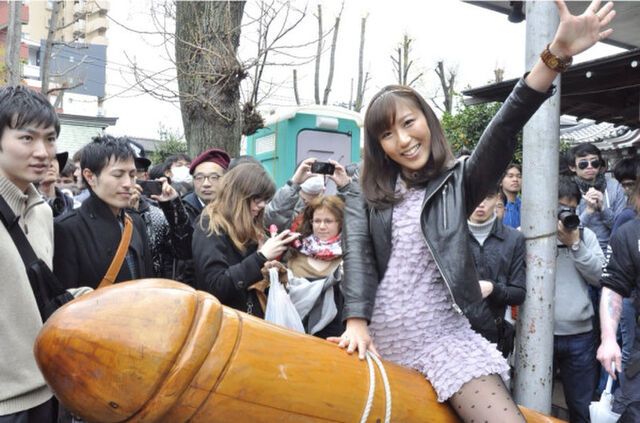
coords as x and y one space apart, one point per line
325 221
583 164
211 178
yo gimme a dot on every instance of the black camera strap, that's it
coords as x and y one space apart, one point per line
21 242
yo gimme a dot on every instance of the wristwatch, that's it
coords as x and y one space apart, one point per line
575 246
554 62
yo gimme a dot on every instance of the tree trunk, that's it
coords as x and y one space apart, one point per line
406 63
209 73
332 60
48 48
14 36
295 87
362 80
316 82
447 86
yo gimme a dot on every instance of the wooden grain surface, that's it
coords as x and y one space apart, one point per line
156 350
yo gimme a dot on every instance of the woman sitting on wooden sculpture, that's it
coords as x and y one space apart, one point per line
410 283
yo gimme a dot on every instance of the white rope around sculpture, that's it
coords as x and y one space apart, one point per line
372 388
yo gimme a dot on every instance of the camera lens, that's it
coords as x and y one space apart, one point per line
569 219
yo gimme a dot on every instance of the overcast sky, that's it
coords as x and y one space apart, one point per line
469 38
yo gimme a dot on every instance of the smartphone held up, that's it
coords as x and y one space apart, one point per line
323 168
150 188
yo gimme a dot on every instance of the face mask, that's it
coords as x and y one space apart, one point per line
181 174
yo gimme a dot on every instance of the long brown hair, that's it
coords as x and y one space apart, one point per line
332 203
378 171
635 195
230 212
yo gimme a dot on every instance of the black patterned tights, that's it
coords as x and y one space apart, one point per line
485 400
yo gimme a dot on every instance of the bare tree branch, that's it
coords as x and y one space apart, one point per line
48 47
402 63
316 81
295 87
332 59
362 78
447 84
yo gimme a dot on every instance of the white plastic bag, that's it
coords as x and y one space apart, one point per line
280 309
600 411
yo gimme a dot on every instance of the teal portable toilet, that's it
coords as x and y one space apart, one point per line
291 135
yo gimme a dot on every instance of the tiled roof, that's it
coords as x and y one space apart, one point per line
606 136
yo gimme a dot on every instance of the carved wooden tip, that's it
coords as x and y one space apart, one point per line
129 350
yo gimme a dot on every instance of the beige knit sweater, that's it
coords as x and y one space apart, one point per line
21 384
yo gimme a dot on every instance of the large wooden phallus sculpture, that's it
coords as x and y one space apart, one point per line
159 351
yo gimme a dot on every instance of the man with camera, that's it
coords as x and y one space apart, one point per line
307 183
579 264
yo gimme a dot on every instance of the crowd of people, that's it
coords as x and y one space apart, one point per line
418 254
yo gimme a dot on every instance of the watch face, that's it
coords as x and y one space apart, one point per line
553 61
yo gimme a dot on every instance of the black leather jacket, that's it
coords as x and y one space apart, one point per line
449 199
500 260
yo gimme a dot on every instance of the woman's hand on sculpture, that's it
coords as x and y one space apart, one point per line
576 34
356 337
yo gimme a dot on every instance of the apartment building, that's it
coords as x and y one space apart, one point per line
79 21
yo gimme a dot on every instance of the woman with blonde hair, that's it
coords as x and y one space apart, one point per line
229 244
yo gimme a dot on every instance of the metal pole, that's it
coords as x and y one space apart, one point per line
14 36
534 357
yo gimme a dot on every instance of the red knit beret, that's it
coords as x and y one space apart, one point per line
214 155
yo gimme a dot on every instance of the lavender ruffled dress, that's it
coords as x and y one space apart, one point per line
413 321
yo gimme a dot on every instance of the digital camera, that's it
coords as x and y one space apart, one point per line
568 217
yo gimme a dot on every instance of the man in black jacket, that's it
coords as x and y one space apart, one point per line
499 255
86 239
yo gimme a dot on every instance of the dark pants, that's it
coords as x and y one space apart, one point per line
44 413
627 398
575 358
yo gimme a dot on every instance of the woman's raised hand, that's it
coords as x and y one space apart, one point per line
356 337
303 172
576 34
339 176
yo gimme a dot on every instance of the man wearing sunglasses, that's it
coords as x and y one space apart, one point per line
602 197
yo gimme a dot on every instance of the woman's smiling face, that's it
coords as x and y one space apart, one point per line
408 140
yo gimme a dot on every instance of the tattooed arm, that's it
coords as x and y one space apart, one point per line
610 311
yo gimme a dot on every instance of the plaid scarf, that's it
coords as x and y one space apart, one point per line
321 250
